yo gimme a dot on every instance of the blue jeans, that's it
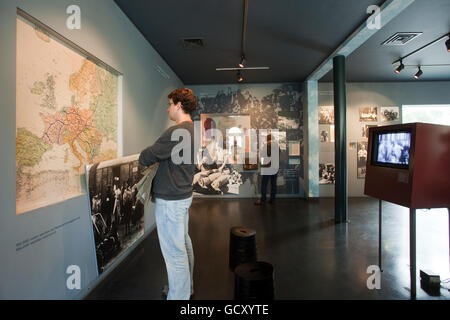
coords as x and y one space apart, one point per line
172 217
273 187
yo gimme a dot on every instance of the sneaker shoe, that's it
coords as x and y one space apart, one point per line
165 292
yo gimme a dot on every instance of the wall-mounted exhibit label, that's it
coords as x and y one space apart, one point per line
66 117
43 235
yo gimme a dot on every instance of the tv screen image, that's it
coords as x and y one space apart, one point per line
393 148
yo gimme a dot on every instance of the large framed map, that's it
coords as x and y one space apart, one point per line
67 110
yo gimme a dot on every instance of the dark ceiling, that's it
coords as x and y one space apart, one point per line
373 62
292 37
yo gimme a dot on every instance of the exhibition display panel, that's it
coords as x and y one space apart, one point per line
408 165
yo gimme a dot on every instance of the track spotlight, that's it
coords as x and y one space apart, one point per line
447 43
400 67
241 64
418 74
239 77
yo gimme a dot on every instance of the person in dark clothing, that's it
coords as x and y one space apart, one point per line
269 177
172 189
127 207
108 206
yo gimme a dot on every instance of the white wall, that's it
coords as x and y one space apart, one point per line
380 94
38 271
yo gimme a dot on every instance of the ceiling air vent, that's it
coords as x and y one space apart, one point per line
192 43
401 38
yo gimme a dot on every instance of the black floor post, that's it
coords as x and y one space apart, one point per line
341 197
380 224
412 250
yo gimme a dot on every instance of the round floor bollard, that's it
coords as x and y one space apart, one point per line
242 246
254 281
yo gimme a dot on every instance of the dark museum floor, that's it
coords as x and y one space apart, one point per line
312 257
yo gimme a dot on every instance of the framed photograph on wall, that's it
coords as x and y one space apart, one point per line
326 173
365 130
326 115
390 114
361 159
368 114
324 135
294 148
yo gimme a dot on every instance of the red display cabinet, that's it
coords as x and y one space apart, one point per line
409 164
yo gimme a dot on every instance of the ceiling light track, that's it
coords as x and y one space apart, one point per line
244 29
425 46
239 68
426 65
419 72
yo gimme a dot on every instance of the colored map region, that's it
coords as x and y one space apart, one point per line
66 117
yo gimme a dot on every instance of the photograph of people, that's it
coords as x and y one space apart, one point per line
213 173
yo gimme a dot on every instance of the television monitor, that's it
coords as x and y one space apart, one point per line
391 149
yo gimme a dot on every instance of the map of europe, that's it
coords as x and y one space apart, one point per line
66 117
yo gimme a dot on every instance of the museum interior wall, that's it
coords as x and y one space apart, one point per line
275 106
39 246
360 98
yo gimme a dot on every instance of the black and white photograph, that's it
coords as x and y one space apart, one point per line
324 135
285 123
361 159
214 174
368 114
326 115
268 107
365 130
394 148
389 114
326 173
117 215
278 136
